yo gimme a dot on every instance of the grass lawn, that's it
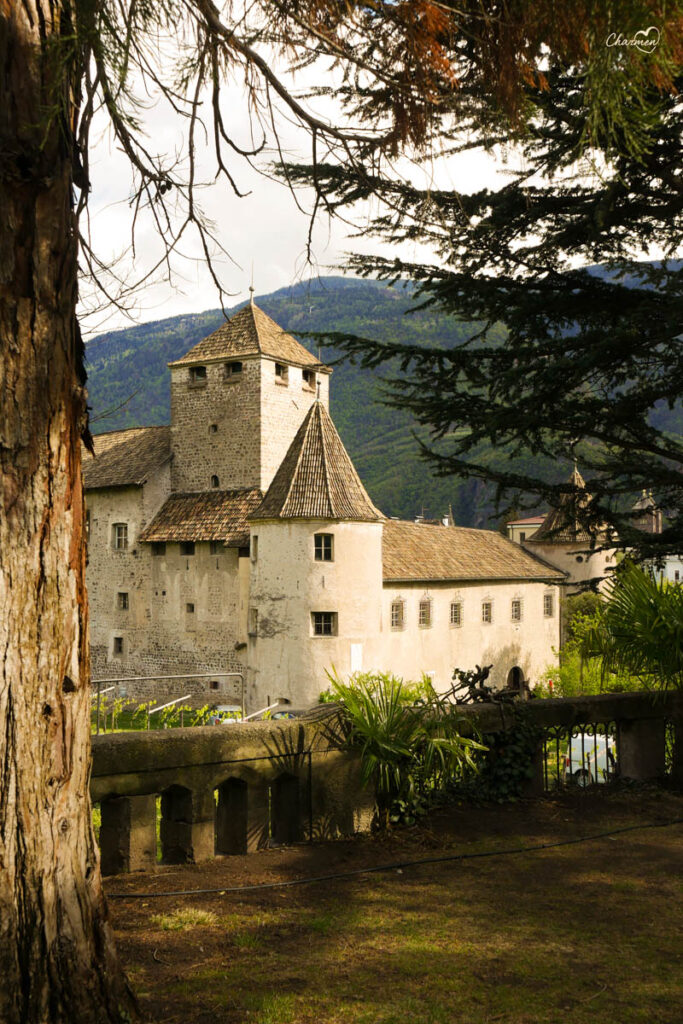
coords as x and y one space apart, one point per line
581 933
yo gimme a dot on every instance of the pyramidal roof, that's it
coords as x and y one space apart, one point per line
316 479
563 524
249 332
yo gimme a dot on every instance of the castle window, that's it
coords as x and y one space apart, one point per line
548 606
233 369
522 536
215 547
213 428
122 601
187 547
189 608
254 549
324 623
487 611
158 548
198 375
213 685
397 614
323 547
308 378
253 622
424 615
243 552
456 613
119 533
215 481
579 558
281 373
118 645
516 610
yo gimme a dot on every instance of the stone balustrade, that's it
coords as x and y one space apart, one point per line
242 787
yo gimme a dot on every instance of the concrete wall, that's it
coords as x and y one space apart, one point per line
438 649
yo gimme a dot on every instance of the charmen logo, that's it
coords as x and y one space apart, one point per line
646 40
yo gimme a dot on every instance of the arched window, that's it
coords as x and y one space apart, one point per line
215 481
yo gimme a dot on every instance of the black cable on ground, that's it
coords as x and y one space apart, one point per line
398 865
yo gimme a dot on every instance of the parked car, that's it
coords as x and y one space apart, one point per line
590 759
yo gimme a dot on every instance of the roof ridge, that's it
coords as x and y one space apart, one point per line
306 423
317 405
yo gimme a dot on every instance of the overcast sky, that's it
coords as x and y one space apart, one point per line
265 229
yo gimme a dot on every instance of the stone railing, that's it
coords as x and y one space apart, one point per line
239 788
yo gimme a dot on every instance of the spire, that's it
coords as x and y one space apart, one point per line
316 479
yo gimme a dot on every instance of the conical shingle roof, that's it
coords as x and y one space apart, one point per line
565 523
316 479
249 332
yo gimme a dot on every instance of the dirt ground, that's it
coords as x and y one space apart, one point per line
587 931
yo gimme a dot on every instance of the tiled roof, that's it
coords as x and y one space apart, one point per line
209 515
563 524
316 479
125 458
249 332
421 553
526 522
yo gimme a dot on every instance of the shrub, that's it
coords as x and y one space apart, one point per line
409 738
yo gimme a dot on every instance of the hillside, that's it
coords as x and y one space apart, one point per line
380 441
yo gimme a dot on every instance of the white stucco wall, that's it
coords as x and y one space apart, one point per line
288 585
575 559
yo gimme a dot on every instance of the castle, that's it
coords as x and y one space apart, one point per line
241 539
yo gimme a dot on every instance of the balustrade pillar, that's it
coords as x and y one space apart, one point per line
128 840
641 749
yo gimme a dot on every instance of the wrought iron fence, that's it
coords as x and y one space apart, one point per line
584 754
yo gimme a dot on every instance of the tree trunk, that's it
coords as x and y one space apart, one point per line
57 956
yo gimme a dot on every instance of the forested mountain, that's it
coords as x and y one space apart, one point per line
129 385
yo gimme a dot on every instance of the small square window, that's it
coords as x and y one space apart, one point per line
424 617
213 428
324 623
197 375
487 611
516 611
397 614
323 547
122 601
118 645
281 373
522 536
214 685
187 547
548 606
215 547
120 536
189 608
456 613
308 378
158 548
233 369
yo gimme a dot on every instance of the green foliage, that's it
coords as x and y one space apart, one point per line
640 629
506 764
409 738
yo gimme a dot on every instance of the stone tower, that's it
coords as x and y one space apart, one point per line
237 400
316 568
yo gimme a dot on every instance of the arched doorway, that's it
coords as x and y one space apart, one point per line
517 683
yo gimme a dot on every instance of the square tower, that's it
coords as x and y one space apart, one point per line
237 400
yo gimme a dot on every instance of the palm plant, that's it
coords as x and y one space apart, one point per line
639 629
410 748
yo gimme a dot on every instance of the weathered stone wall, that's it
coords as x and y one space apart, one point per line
283 409
231 404
238 788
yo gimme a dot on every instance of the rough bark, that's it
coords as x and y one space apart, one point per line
57 957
